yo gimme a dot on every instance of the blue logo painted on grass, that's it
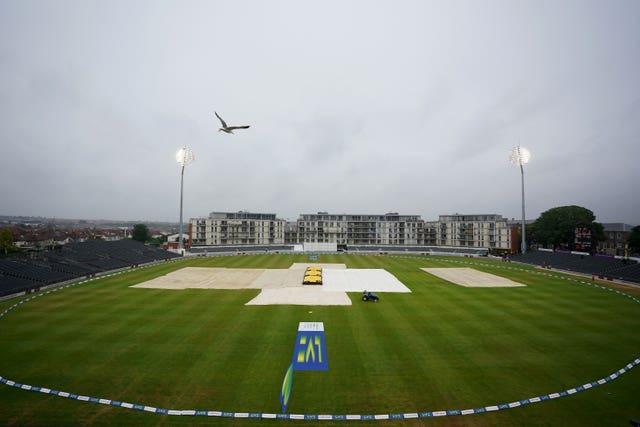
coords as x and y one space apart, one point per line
309 354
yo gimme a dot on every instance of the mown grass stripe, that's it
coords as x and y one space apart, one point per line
464 309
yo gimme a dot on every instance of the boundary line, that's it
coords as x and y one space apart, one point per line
344 417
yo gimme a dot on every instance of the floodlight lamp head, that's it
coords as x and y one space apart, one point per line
519 156
185 156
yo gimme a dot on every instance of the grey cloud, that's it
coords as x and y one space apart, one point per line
410 107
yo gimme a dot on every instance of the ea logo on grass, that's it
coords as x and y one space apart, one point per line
309 354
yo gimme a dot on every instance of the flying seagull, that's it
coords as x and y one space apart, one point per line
228 129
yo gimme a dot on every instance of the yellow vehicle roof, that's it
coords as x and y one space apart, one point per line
313 273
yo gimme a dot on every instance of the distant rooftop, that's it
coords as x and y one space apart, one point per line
617 226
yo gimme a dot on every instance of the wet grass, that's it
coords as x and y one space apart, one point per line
440 347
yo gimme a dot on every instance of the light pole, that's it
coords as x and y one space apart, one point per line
184 157
520 156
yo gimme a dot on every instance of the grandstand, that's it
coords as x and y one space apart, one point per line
212 250
604 267
81 259
432 250
74 260
424 250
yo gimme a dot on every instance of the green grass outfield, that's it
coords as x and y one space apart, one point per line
440 347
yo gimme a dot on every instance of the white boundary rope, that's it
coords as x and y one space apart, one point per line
261 415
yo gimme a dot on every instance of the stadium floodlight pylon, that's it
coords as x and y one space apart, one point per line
521 156
184 157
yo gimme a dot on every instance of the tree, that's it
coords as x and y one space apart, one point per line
597 233
634 240
6 241
140 233
158 241
557 226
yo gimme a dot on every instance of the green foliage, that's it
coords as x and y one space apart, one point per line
634 240
597 233
6 241
556 227
158 241
141 233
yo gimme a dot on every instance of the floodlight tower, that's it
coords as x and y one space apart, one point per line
520 156
184 157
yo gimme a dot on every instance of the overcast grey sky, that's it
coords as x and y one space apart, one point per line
360 107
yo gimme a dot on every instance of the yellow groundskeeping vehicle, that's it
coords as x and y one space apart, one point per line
313 273
313 276
312 280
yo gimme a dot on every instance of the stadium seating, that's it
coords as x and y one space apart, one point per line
419 249
74 260
12 285
240 249
600 266
351 248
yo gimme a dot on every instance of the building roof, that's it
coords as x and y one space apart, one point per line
617 226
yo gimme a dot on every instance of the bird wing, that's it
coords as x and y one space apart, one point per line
224 125
238 127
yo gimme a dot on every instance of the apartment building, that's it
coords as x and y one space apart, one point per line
344 229
247 228
616 239
484 231
237 228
